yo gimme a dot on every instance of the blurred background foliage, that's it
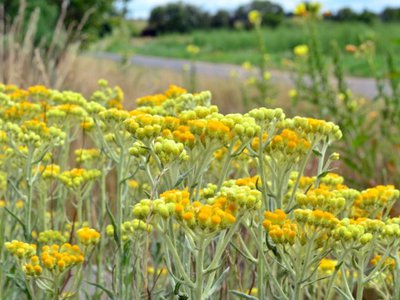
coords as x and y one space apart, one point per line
99 16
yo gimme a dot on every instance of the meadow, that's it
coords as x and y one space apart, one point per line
239 46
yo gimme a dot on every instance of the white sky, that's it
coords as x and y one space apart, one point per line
142 8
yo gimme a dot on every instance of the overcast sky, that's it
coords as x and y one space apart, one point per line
142 8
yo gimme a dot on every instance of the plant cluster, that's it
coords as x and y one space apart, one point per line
367 123
175 200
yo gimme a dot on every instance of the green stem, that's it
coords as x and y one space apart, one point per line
261 263
119 220
178 262
333 276
321 163
79 209
296 185
261 171
225 168
360 277
302 268
198 290
396 273
28 211
44 210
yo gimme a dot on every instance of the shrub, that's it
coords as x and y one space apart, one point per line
272 14
178 17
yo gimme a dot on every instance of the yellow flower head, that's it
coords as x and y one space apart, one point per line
88 236
192 49
327 266
254 17
301 50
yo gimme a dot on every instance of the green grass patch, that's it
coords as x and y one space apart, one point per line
237 46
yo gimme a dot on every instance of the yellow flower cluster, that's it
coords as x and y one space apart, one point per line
77 177
107 96
389 262
248 181
112 117
327 266
288 146
242 197
255 144
301 50
265 117
183 135
52 237
158 99
162 271
308 9
370 225
130 229
314 129
20 249
48 172
87 155
88 236
192 49
62 111
144 126
280 229
57 259
26 256
322 198
32 266
211 131
39 90
20 111
218 213
35 133
169 151
315 218
374 200
347 232
254 17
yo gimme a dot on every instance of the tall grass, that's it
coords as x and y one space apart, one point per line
24 62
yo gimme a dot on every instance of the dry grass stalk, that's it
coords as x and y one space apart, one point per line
24 62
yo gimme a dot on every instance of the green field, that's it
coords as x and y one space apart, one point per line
237 46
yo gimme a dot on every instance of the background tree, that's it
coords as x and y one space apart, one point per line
98 16
178 17
272 13
367 16
391 14
346 15
221 19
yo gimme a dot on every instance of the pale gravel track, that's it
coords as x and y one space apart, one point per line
364 87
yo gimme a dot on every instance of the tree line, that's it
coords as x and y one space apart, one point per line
181 17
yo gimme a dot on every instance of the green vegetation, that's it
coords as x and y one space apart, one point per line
94 18
237 46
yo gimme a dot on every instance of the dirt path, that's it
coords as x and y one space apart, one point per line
364 87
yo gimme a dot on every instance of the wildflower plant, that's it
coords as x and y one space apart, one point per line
365 124
176 200
256 86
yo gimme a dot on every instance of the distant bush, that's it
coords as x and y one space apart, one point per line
391 14
181 17
367 16
346 15
177 17
272 14
221 19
